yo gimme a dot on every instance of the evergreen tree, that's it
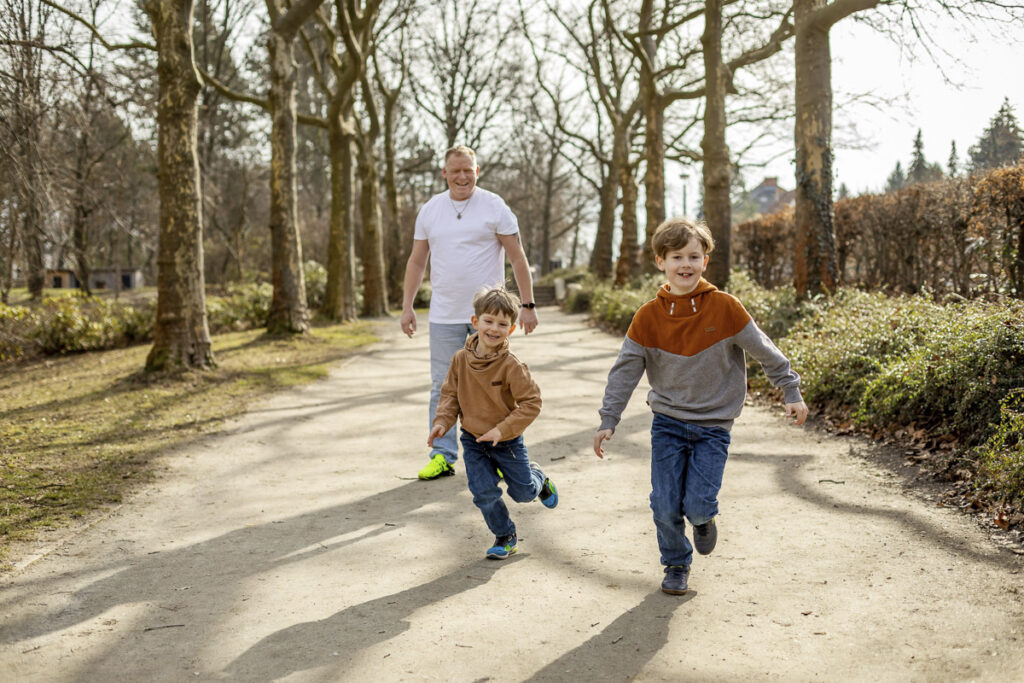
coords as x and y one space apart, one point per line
953 165
1001 143
844 191
920 170
896 179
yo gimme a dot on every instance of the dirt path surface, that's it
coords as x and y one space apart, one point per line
297 545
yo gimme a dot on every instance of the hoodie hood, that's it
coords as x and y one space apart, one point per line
477 362
688 304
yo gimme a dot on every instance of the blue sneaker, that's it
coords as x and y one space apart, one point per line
548 493
675 580
503 547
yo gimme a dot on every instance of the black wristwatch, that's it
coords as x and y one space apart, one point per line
529 305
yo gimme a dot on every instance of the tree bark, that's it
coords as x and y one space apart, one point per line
394 252
375 300
181 335
654 134
288 312
601 256
814 263
629 248
340 297
717 169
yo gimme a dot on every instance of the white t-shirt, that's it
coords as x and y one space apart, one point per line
465 253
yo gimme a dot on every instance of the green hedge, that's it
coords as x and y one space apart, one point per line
76 323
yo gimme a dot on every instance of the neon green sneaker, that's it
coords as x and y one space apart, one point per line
437 467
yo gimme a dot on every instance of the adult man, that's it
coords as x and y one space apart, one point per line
464 233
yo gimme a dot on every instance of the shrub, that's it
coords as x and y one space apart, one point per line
1001 457
954 382
844 342
16 325
242 307
315 276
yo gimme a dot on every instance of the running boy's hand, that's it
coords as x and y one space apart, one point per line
436 433
602 435
493 435
799 410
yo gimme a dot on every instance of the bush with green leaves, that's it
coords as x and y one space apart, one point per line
16 325
69 324
956 377
1001 457
315 276
844 342
242 307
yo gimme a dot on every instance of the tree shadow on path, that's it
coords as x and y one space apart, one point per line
621 650
340 638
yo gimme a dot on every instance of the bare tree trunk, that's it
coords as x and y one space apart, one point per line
717 168
549 197
629 248
181 336
288 312
339 299
394 254
654 134
814 263
375 301
601 256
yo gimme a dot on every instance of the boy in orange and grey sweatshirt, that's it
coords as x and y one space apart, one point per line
493 395
691 342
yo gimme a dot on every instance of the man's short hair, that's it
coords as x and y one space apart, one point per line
460 149
676 233
497 300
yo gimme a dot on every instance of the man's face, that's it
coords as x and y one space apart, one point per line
461 175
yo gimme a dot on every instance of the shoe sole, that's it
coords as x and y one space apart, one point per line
551 502
673 591
497 556
450 472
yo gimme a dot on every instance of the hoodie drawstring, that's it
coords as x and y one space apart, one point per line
693 302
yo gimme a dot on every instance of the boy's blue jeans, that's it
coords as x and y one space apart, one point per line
445 340
687 463
522 481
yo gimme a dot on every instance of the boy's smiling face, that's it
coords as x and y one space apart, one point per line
494 329
684 267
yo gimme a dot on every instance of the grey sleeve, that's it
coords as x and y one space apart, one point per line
622 380
776 366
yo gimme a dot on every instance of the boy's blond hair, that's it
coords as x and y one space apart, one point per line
676 233
497 301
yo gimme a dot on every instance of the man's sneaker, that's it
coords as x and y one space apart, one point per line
437 467
675 580
705 536
548 493
503 547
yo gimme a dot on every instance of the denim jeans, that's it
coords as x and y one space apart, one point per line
445 340
522 481
687 463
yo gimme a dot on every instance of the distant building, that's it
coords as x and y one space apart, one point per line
768 197
100 278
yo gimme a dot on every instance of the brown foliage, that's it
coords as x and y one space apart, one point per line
962 236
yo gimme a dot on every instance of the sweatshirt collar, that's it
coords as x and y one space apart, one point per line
481 362
686 305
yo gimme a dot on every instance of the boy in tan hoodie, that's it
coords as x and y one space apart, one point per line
494 397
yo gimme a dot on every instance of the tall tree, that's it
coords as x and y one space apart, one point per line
1000 144
814 268
288 311
182 335
717 202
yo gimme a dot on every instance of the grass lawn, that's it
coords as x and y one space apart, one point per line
78 432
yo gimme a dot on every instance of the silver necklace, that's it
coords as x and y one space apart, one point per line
458 213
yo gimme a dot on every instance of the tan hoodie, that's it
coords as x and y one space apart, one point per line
494 391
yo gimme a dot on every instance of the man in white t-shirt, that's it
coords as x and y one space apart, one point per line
465 233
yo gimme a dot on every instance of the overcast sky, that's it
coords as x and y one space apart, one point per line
909 95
